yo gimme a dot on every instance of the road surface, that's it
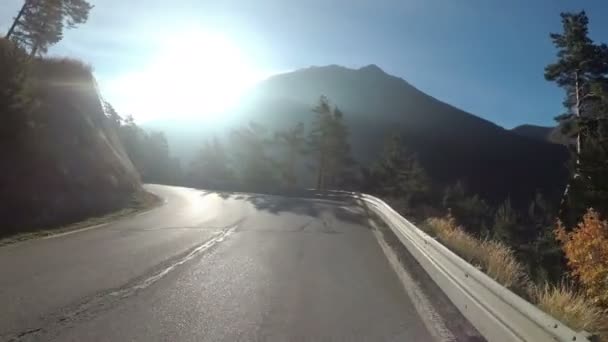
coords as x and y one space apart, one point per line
207 267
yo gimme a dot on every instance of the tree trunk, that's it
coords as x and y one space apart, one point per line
577 112
17 18
34 50
577 168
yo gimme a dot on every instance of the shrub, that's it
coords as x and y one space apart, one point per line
586 249
15 95
572 308
493 257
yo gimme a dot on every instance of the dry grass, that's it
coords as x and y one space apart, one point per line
493 257
498 261
572 308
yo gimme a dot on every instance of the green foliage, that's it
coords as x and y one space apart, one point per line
470 210
582 70
328 141
506 226
211 167
398 174
252 163
16 98
292 141
40 23
149 152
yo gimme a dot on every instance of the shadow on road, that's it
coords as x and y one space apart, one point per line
310 203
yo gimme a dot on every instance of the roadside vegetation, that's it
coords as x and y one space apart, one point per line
569 304
552 251
140 201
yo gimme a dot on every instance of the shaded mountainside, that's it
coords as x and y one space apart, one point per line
542 133
534 132
66 162
450 143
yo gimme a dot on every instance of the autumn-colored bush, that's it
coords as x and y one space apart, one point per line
566 303
586 248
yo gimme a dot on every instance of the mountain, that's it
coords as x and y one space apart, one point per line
451 144
542 133
534 132
63 161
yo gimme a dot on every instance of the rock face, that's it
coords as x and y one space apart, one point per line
67 163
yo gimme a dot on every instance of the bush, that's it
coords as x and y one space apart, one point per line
572 308
493 257
586 249
15 91
470 210
66 69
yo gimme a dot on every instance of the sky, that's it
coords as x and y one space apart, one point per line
484 56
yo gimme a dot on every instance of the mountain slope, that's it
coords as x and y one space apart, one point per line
534 132
67 163
548 134
451 144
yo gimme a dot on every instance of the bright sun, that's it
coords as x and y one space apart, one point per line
195 74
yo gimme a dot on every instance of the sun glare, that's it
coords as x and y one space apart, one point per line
195 74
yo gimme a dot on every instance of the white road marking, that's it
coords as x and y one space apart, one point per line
431 319
76 231
154 278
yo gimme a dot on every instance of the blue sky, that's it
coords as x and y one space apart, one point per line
486 57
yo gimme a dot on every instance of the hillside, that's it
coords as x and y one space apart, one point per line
451 144
542 133
63 161
534 132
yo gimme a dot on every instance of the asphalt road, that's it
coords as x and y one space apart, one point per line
206 267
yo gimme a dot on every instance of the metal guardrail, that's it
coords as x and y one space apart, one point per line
496 312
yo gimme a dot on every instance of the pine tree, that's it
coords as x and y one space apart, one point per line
211 167
399 173
540 250
506 226
16 97
40 23
112 115
292 140
328 140
470 210
253 164
582 65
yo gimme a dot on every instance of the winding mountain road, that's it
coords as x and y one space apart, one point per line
210 267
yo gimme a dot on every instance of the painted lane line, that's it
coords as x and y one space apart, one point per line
76 231
159 275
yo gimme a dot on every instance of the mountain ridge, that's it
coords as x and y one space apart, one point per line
451 144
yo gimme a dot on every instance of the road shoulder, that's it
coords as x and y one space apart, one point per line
141 202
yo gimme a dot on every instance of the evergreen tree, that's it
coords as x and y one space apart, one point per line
112 115
470 210
292 140
255 168
40 23
211 167
16 98
541 251
328 141
506 226
157 166
399 173
581 68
